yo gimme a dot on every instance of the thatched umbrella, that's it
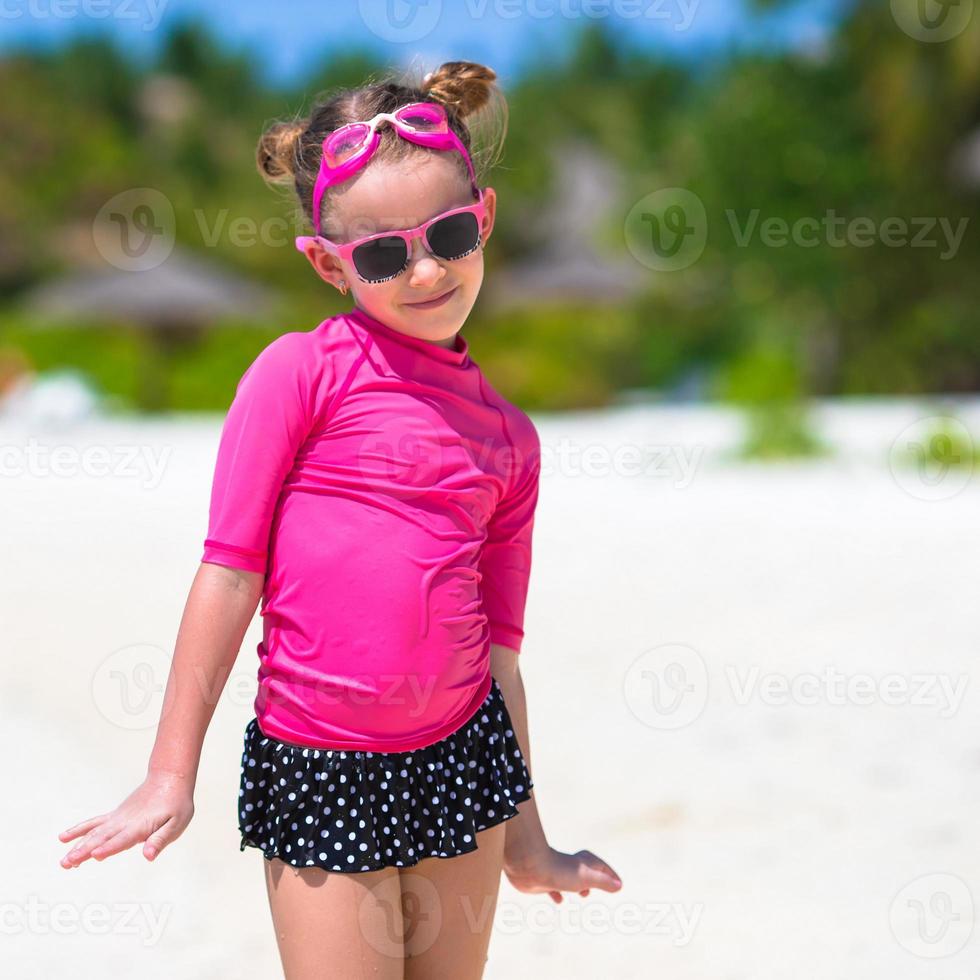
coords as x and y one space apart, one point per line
173 302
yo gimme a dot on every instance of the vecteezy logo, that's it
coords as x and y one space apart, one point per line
667 687
401 455
934 13
128 686
406 914
932 916
932 20
667 229
142 223
134 231
933 458
400 20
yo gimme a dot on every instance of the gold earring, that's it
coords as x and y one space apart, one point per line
343 287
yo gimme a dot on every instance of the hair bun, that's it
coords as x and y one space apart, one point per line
463 86
276 155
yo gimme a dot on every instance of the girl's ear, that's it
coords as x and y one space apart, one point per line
326 266
490 212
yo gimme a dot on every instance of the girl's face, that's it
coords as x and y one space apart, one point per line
385 197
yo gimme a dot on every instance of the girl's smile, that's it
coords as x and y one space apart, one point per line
439 300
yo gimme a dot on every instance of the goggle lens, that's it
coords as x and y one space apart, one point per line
345 143
423 118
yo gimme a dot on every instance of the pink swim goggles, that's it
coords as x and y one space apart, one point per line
382 256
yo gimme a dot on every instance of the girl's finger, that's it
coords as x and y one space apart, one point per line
159 839
126 837
83 849
556 897
598 872
76 855
81 828
74 858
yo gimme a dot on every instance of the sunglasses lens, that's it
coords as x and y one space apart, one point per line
453 237
380 258
345 143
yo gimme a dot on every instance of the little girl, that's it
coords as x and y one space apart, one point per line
378 496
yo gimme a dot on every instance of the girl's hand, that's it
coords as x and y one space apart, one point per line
551 871
156 812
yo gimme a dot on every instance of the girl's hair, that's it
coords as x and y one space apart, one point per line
289 152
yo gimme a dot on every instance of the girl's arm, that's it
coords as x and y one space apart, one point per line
219 608
524 832
270 417
530 863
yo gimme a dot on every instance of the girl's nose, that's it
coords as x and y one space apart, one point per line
425 270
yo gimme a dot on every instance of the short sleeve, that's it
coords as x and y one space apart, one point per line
268 421
505 560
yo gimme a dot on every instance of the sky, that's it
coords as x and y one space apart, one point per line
288 39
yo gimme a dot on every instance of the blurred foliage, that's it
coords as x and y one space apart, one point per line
114 359
779 429
127 362
768 381
865 127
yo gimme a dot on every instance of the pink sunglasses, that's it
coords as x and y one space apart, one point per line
382 256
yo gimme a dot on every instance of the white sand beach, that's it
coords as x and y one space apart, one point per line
751 690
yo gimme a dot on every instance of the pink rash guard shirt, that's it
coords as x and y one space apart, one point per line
387 492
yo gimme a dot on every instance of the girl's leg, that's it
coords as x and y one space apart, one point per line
334 925
449 904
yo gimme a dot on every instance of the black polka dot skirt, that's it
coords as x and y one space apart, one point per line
352 811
